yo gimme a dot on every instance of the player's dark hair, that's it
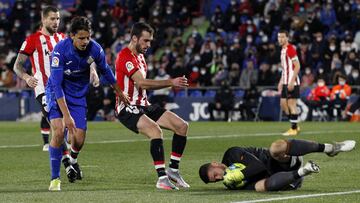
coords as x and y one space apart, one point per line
80 23
203 173
45 12
139 27
285 32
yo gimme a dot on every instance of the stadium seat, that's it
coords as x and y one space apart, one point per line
210 93
181 93
239 93
195 93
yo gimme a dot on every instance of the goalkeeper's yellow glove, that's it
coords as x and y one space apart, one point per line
233 177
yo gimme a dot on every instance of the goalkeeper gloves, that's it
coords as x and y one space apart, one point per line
233 177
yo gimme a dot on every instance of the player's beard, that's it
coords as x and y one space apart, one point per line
51 30
139 49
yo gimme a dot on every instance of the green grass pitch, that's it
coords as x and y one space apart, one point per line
118 167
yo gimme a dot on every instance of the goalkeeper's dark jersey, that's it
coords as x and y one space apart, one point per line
238 155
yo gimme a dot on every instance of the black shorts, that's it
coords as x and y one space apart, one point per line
295 94
130 115
41 98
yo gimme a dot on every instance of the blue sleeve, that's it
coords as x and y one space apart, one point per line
103 67
57 72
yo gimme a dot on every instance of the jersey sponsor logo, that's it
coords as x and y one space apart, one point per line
56 53
67 63
129 66
55 62
90 60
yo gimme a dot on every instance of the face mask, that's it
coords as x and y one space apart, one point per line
19 6
17 24
219 51
97 35
195 69
347 69
168 11
264 39
155 13
249 29
341 82
202 71
307 71
321 71
321 84
101 25
167 51
103 14
355 75
332 47
233 3
236 40
267 20
249 39
197 58
2 33
188 50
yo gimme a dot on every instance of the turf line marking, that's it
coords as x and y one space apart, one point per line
193 138
300 196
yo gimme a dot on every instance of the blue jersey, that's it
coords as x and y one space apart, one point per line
70 72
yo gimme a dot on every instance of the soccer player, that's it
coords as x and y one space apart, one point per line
289 83
141 116
66 93
38 46
277 168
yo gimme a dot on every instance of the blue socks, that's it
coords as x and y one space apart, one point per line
55 155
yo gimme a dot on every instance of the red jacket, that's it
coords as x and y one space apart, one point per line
344 91
319 92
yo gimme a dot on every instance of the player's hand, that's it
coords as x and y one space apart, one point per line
70 124
124 98
94 79
31 81
291 86
180 82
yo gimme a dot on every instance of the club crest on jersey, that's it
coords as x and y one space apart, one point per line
90 60
129 66
55 62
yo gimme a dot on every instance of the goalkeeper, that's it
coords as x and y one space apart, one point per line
274 169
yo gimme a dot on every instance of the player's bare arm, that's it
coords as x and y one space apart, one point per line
158 84
296 72
20 72
94 78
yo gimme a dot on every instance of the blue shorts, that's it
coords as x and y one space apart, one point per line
78 113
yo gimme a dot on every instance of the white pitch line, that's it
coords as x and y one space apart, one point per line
300 196
194 138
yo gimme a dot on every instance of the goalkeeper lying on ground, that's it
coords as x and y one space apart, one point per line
277 168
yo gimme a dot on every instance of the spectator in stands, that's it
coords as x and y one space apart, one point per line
354 78
249 76
224 101
234 74
318 99
265 76
7 76
308 78
339 96
161 96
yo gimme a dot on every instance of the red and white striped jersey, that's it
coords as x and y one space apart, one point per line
288 55
38 47
127 64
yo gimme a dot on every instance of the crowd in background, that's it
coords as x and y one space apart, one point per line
208 40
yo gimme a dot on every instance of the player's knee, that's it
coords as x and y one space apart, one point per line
260 186
182 128
278 149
